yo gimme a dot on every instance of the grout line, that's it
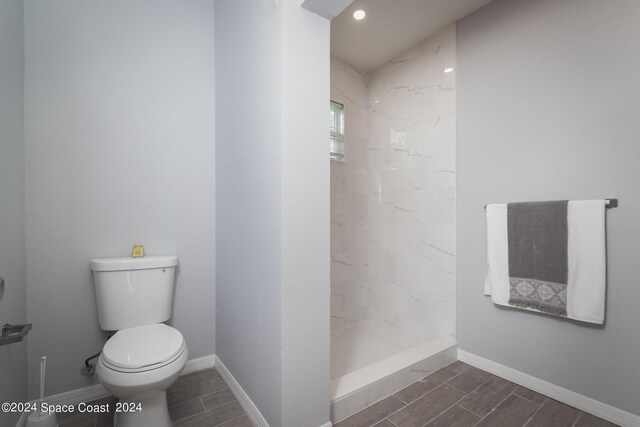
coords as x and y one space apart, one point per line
204 408
394 395
187 418
405 404
244 414
513 392
461 399
449 385
534 414
533 401
207 410
494 408
465 395
455 404
377 423
394 412
429 391
464 370
578 419
391 422
466 410
373 404
450 370
215 389
483 383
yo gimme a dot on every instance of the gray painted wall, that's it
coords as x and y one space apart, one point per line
119 101
272 207
13 358
249 198
548 109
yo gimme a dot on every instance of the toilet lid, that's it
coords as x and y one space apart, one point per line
143 346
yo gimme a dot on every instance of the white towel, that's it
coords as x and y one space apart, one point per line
497 280
586 248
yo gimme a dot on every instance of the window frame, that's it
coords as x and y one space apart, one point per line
337 139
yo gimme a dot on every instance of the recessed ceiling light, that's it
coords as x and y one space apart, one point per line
359 14
448 70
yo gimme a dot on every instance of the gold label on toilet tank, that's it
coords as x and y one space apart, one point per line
138 251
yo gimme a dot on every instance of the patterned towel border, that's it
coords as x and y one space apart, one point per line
547 297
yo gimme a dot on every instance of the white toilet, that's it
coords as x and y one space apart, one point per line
145 356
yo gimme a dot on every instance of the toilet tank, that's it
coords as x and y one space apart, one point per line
133 291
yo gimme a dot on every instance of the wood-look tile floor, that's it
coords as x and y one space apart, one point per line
199 399
456 396
463 396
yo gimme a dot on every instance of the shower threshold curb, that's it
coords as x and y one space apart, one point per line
357 390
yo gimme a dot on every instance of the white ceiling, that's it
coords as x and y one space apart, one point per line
392 27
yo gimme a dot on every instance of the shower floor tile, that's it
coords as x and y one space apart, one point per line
363 343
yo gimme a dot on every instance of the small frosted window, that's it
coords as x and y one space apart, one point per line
336 131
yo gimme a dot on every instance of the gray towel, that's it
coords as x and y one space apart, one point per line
537 235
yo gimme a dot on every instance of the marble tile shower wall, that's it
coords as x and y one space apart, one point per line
393 199
349 187
411 199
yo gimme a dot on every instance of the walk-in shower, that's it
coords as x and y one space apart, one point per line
392 222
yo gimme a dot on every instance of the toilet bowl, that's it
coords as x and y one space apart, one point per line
137 365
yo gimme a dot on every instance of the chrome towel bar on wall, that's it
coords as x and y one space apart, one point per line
609 203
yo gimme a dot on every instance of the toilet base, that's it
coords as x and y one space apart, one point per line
154 413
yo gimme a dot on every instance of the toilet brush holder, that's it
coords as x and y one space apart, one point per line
40 418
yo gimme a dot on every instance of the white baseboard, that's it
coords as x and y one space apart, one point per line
97 391
243 398
193 365
584 403
245 401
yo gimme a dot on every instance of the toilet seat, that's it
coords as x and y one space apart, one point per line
143 348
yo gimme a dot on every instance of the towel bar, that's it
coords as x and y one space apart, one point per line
609 203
